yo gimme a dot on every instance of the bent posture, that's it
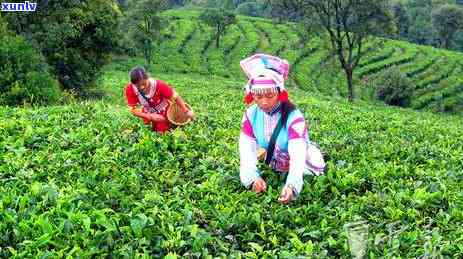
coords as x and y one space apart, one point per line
154 97
275 129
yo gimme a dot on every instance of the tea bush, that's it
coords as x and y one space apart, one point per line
394 88
24 75
90 180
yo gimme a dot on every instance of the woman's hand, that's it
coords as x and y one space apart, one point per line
178 99
286 195
261 154
259 185
136 112
156 117
191 114
133 110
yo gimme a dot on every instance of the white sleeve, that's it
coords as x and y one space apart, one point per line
248 160
297 149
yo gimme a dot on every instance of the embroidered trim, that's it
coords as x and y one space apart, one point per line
174 95
159 108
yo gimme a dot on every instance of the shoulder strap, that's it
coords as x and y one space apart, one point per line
147 100
273 139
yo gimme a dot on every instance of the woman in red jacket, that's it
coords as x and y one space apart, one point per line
153 96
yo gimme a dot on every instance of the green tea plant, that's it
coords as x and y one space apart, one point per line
167 57
275 38
89 179
394 87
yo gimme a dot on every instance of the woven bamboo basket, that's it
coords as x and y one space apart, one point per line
176 116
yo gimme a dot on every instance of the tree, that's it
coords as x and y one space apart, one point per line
76 37
174 3
251 9
420 30
394 87
228 5
402 18
123 4
347 24
24 75
147 24
302 31
447 20
284 10
3 26
219 19
459 41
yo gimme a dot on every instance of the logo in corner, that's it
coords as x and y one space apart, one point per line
18 7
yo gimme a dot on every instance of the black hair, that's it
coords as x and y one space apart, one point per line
286 108
137 74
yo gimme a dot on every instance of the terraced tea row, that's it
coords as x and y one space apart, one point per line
192 49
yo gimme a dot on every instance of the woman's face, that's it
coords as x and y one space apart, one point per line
143 84
266 102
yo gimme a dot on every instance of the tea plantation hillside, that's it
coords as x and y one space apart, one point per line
189 48
89 180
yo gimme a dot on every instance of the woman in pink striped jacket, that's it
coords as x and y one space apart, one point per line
289 150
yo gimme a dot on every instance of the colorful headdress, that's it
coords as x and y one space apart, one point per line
265 74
